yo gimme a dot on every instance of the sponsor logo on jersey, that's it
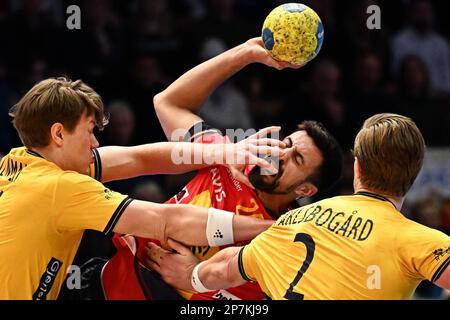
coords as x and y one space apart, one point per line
440 253
47 279
108 193
183 194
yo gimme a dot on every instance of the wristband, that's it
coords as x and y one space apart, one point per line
219 227
195 281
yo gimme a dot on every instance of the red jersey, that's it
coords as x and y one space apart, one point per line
213 186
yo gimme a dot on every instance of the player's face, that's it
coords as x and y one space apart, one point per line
297 164
79 144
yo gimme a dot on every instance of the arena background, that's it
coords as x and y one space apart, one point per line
130 50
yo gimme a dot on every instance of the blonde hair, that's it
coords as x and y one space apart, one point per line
390 151
51 101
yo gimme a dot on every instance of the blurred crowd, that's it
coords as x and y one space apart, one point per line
130 50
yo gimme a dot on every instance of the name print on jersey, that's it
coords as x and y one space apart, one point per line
218 188
11 169
353 227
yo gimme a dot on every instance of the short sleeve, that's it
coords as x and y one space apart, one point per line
424 252
96 166
245 262
201 132
84 203
258 259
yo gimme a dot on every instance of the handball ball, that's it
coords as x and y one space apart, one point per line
293 33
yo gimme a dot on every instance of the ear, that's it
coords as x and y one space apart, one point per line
306 189
56 133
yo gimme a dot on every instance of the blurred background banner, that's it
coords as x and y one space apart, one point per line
434 176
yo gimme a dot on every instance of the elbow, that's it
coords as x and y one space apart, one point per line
158 101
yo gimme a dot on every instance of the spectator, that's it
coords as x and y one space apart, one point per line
121 124
416 99
366 95
419 38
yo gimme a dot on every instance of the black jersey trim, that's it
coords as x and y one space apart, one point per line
199 129
116 215
441 269
375 196
241 266
97 165
34 153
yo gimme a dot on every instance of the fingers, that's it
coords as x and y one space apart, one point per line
263 163
268 141
264 132
181 249
153 265
155 252
280 65
267 150
153 257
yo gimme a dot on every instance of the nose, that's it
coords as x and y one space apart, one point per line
285 153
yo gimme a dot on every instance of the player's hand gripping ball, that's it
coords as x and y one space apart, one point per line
293 33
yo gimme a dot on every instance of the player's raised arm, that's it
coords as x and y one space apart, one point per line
178 105
192 225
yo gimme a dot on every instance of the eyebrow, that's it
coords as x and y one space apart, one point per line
296 150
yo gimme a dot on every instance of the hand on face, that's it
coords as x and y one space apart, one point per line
250 150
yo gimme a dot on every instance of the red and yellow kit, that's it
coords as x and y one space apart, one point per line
211 187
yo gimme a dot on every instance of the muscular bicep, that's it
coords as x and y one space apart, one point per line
144 219
183 223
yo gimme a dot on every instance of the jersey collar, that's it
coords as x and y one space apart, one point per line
375 196
34 153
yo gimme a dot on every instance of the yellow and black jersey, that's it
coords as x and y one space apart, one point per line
43 214
346 247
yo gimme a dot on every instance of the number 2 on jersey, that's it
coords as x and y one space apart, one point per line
310 248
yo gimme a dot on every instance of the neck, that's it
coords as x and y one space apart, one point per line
277 203
396 201
49 154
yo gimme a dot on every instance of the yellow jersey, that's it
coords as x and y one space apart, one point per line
346 247
44 211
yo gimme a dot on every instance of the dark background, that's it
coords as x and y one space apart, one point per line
130 50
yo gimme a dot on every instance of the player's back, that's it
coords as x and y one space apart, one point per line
347 247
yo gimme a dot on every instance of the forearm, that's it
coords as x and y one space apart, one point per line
222 270
183 98
191 89
157 158
187 224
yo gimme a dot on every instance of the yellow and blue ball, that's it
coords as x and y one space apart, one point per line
293 33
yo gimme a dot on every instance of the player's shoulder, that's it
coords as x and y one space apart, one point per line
20 151
201 132
410 228
334 201
73 178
